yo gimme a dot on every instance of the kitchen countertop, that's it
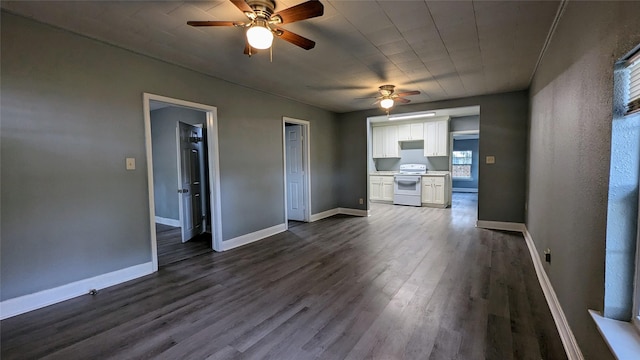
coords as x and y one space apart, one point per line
383 173
390 173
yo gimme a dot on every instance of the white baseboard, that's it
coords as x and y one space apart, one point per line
336 211
566 335
167 221
324 214
26 303
501 225
354 212
468 190
253 237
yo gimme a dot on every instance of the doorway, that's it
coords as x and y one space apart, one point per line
183 181
465 160
297 179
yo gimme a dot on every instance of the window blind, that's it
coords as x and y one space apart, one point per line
634 85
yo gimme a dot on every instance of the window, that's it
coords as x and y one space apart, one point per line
461 162
633 105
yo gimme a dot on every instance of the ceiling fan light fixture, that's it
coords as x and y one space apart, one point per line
259 36
386 103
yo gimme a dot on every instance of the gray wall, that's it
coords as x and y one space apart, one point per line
462 145
570 149
503 130
72 112
465 123
165 161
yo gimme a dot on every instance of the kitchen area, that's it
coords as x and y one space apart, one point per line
410 159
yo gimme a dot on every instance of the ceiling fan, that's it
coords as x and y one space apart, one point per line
264 23
388 98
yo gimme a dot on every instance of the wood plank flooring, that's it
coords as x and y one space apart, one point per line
405 283
171 249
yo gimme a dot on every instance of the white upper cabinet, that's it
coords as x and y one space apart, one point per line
410 132
385 142
377 137
436 138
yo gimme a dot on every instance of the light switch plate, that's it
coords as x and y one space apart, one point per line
491 159
131 163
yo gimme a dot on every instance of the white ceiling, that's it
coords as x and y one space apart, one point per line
445 49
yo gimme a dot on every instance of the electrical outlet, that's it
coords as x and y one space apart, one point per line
361 201
491 159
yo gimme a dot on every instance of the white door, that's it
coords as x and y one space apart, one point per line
295 173
190 199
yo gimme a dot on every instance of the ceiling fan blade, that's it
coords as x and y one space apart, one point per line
306 10
296 39
402 100
407 93
377 101
213 23
242 5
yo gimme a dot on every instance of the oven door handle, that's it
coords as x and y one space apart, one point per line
408 182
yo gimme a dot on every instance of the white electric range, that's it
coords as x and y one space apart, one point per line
407 189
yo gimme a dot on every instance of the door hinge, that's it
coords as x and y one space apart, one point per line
195 139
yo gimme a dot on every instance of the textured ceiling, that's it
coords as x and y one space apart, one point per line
445 49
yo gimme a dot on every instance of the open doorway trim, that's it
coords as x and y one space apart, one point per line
306 132
214 168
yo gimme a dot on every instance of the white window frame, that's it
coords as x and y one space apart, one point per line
633 65
462 178
635 318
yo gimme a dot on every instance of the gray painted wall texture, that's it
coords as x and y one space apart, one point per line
72 112
503 130
165 156
569 155
465 123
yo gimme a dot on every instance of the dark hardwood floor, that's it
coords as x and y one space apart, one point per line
405 283
171 249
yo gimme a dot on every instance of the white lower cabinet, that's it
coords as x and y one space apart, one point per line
435 191
381 188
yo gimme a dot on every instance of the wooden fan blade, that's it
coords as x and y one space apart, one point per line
213 23
296 39
242 5
402 100
407 93
306 10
